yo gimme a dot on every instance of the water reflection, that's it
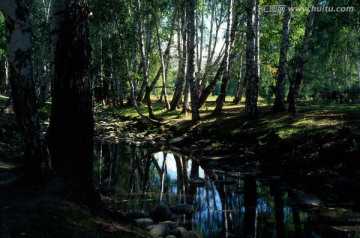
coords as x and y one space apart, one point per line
231 203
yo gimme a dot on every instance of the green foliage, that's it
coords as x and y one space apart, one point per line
2 37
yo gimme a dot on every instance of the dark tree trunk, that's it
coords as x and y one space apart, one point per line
295 86
37 158
208 89
191 91
71 127
3 76
179 85
251 79
279 104
250 200
239 88
229 56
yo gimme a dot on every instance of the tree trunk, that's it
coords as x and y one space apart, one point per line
257 40
145 51
162 66
279 104
166 55
3 76
179 85
44 77
252 83
211 51
186 102
71 127
37 158
45 82
190 76
237 97
230 38
295 86
200 52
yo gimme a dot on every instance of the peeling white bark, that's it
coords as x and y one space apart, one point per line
23 89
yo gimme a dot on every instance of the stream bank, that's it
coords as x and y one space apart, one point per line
324 161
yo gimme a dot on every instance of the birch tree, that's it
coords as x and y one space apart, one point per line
251 79
190 76
44 80
37 158
279 104
233 20
299 74
206 91
182 38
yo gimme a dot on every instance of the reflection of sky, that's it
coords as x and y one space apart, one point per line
211 214
171 165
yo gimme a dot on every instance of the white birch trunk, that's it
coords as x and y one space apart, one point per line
279 104
23 87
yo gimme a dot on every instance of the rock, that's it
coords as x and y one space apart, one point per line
144 222
177 232
189 234
172 225
308 202
197 182
218 172
136 215
338 217
160 230
170 236
161 213
182 209
220 159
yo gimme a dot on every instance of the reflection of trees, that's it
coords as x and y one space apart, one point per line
140 175
185 175
108 166
250 200
162 178
134 166
180 179
145 182
279 210
194 173
296 216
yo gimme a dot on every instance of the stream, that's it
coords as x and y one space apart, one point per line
226 198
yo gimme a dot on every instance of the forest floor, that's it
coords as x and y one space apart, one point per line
317 150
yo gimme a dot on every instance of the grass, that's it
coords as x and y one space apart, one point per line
4 165
3 100
312 119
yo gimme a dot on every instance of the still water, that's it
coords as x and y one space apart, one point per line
230 200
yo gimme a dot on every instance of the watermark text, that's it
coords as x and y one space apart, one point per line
281 9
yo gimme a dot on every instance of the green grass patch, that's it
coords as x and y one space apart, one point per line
4 165
3 100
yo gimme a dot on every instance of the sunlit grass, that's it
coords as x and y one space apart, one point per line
334 107
3 100
310 122
287 132
4 165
